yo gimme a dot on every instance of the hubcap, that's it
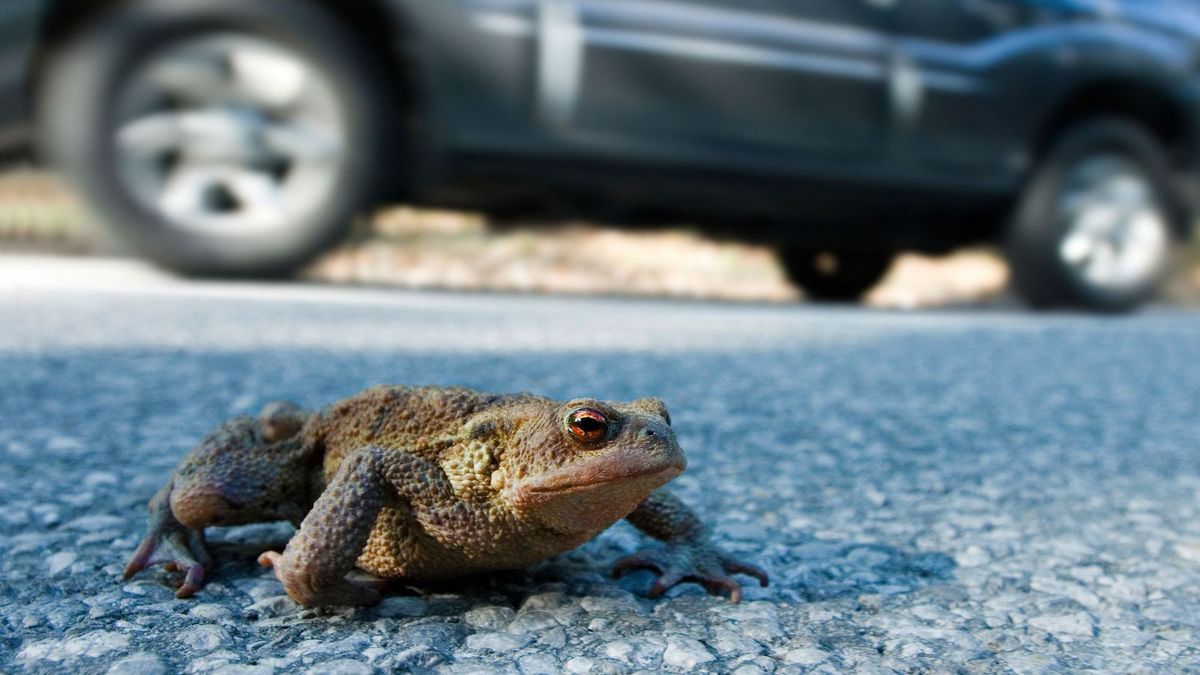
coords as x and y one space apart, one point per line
1117 235
229 135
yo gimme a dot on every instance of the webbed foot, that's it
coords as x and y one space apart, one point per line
679 562
170 543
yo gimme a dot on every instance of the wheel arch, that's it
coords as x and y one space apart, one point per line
1146 103
1151 106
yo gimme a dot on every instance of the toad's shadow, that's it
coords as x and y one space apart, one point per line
820 570
806 570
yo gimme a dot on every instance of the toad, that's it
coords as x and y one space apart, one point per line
427 483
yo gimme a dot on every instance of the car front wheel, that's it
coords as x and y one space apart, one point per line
1096 225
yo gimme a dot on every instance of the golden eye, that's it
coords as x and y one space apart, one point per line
588 425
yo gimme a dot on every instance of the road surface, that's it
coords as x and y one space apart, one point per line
993 491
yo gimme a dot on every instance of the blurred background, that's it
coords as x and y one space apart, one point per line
900 152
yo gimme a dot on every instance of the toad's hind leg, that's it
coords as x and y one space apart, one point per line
314 566
247 470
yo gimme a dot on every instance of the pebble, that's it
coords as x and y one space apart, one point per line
579 665
686 653
95 523
539 664
60 561
532 622
1067 627
498 642
489 617
401 606
805 656
639 652
342 667
142 663
210 612
204 638
89 645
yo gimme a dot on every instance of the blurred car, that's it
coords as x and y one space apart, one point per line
240 137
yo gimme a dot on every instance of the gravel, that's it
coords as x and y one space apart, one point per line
993 492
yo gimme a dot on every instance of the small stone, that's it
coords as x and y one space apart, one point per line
805 656
94 523
641 652
621 603
1067 627
758 665
65 444
210 612
97 478
204 638
342 667
223 666
551 600
532 622
142 663
89 645
580 665
60 561
489 617
401 605
539 664
555 638
729 642
911 650
870 602
277 605
686 653
1188 551
497 642
973 556
317 648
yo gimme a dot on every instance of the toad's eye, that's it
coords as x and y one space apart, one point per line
588 425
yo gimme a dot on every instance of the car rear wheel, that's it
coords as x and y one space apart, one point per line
218 137
835 275
1097 222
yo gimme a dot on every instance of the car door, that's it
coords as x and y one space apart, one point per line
954 102
717 81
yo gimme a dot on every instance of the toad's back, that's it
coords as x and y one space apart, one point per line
421 421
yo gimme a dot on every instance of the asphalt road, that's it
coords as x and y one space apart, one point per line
992 491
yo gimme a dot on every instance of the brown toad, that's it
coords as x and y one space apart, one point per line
427 483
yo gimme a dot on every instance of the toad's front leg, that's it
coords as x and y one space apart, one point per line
314 565
686 553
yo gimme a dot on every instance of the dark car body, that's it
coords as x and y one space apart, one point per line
915 122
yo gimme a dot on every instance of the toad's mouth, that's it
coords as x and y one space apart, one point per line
598 472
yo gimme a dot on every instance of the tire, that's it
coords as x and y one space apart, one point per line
835 276
251 163
1096 223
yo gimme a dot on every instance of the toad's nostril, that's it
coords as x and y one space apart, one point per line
647 432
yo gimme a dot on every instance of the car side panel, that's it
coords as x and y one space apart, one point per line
986 79
989 94
804 80
478 67
19 21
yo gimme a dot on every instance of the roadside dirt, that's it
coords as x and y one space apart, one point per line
413 248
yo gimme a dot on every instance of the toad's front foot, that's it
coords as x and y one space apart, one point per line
304 589
701 562
168 542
